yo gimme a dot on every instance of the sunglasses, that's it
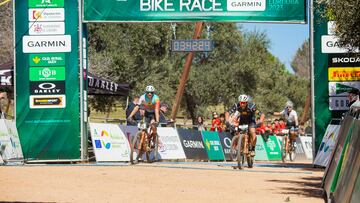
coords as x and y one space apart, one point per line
149 93
243 103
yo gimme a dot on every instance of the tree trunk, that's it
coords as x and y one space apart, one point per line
191 106
305 114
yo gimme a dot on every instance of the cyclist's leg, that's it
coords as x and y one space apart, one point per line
252 138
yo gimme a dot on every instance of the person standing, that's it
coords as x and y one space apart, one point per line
137 117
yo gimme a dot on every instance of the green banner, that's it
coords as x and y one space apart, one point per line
46 131
260 151
195 10
46 3
57 59
273 149
213 145
47 73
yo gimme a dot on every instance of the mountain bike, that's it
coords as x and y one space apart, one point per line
290 148
145 142
240 147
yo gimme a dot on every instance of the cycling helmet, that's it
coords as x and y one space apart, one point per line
244 98
289 104
150 88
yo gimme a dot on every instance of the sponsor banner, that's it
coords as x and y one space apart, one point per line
225 139
8 145
47 73
339 89
273 149
129 131
355 196
350 168
46 14
47 44
331 44
344 74
56 59
1 160
192 143
344 60
327 145
260 151
47 88
109 142
46 3
330 171
14 138
339 103
306 144
213 145
169 144
195 10
47 101
46 28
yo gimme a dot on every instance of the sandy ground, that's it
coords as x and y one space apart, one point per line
161 182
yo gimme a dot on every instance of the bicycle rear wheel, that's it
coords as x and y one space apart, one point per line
136 149
233 148
292 152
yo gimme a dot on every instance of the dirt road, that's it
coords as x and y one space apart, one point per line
161 182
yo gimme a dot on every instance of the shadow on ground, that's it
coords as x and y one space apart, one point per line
307 186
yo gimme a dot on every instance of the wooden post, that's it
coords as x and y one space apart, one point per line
185 74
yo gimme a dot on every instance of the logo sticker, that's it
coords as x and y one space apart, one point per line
46 3
47 14
246 5
56 59
46 88
342 88
47 44
344 74
47 73
47 101
46 28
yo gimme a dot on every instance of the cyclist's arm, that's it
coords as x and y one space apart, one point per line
277 113
157 110
296 120
133 112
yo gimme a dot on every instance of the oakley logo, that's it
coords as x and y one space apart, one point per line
47 86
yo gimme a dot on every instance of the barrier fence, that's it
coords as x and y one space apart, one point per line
181 143
341 179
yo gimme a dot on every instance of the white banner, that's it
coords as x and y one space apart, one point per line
7 144
109 142
327 145
169 144
14 138
129 131
306 145
46 28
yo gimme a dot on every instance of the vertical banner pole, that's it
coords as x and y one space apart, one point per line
312 76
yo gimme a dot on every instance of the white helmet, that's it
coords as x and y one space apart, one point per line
289 104
244 98
150 88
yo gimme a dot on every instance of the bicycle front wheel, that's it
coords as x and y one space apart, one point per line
136 149
240 155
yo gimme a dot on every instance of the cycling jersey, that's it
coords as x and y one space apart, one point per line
246 115
290 117
149 104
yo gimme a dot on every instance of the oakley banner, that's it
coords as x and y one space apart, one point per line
194 10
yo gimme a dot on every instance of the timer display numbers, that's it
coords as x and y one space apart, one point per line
198 45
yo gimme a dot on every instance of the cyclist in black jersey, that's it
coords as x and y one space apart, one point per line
245 114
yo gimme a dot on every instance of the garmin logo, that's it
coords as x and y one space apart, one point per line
331 44
193 144
43 88
246 5
46 44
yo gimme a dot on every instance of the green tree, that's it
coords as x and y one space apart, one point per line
301 61
347 16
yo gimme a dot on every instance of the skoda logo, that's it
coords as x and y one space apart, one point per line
47 86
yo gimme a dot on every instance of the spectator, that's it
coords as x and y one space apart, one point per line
163 111
216 123
223 122
353 96
302 129
200 123
137 117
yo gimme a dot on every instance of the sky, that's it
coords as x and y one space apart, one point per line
285 39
